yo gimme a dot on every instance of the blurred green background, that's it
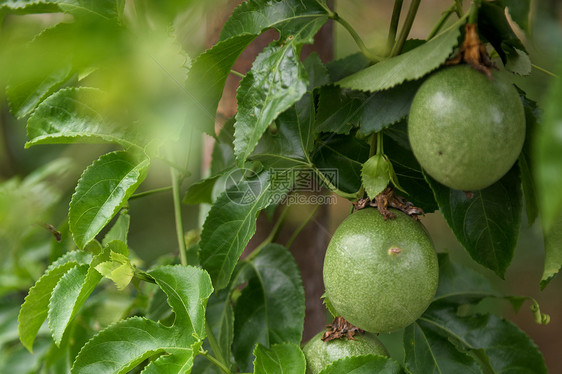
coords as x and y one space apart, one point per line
142 70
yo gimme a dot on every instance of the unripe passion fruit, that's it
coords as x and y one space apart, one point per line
320 354
380 275
466 130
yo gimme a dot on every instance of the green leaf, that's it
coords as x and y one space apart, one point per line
73 115
178 363
201 192
223 150
428 352
207 77
25 96
409 66
280 358
345 155
385 108
375 175
74 288
110 10
486 224
553 252
348 65
364 364
270 309
102 190
289 145
316 71
494 26
34 309
461 284
498 345
119 230
276 81
231 223
124 345
532 118
188 289
339 109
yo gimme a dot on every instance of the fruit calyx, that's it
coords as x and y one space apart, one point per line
473 52
339 329
388 198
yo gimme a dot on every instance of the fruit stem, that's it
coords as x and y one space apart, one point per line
177 212
414 5
444 17
380 149
393 25
473 15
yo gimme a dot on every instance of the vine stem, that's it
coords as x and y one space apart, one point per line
336 17
412 11
214 344
547 72
215 361
394 25
444 17
238 74
150 192
301 227
272 235
331 187
177 212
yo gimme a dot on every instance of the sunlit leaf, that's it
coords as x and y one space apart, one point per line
102 190
35 308
73 115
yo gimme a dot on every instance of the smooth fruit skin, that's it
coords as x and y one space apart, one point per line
380 275
466 130
320 354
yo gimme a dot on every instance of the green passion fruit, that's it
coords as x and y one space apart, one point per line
380 275
320 354
466 129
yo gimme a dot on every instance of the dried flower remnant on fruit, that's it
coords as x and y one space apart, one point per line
52 229
388 198
339 329
394 251
473 52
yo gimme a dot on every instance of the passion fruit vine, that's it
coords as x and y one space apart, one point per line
466 130
320 354
380 275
